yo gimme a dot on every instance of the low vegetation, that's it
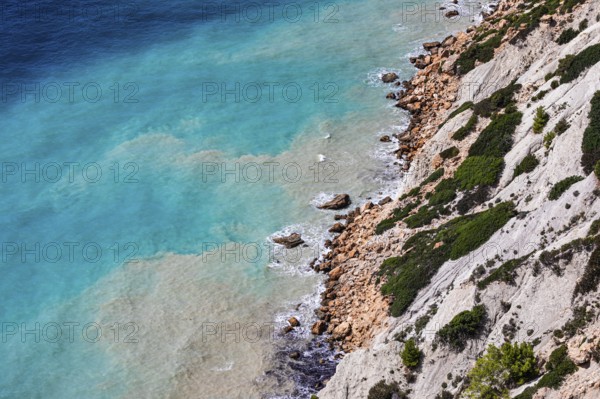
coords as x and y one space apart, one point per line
506 273
424 216
496 139
449 153
464 106
527 165
467 129
482 52
499 100
562 126
591 276
559 188
559 366
434 176
569 34
381 390
399 214
591 138
581 317
479 171
428 250
572 66
464 326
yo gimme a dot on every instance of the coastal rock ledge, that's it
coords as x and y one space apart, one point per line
340 201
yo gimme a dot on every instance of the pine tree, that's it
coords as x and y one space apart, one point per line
411 355
540 120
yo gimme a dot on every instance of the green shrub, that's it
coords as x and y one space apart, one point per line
421 323
496 139
399 214
594 228
442 197
409 273
562 126
482 52
501 369
591 137
444 395
591 276
465 325
554 84
463 107
479 171
540 95
449 153
434 176
472 198
381 390
568 5
581 317
411 355
507 273
476 232
583 25
500 99
597 169
567 35
570 67
467 129
526 394
559 366
540 120
562 186
548 139
527 165
424 216
385 225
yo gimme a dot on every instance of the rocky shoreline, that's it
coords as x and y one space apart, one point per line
351 286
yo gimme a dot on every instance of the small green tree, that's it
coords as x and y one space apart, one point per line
411 355
597 169
548 138
501 369
540 120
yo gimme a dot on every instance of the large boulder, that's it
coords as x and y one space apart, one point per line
389 77
431 45
291 241
340 201
319 327
294 322
337 228
342 331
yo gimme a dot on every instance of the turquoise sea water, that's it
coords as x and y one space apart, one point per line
117 214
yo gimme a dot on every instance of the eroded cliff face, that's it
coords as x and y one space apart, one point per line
549 241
